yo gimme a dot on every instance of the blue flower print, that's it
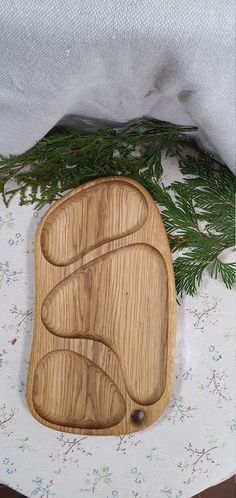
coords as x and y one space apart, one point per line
10 470
233 425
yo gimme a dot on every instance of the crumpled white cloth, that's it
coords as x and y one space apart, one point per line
117 60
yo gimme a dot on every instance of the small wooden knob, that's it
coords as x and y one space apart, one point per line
137 416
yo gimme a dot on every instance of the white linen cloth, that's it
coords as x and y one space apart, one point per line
116 60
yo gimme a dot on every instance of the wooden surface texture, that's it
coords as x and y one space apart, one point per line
103 348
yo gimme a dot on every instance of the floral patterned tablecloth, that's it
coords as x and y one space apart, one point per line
188 449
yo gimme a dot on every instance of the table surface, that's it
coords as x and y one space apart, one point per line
188 449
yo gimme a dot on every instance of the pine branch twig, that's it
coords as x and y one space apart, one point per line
198 212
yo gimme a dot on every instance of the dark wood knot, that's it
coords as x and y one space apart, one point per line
137 416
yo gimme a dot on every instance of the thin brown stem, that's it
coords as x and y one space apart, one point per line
178 237
3 422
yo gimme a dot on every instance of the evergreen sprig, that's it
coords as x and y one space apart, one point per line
198 212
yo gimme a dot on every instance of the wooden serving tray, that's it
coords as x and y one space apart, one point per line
103 348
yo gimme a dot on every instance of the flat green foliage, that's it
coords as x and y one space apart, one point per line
198 212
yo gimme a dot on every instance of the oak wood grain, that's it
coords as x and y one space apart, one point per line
115 299
70 389
70 230
112 301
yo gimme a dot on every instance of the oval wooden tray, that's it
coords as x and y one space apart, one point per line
103 349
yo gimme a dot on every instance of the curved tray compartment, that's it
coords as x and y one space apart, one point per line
103 350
